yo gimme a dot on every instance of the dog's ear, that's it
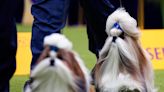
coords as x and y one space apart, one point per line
96 71
71 61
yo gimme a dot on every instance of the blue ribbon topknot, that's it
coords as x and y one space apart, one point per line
117 26
54 48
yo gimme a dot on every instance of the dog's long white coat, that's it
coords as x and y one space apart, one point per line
122 52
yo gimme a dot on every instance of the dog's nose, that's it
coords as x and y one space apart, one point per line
52 62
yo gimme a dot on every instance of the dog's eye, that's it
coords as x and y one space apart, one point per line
136 90
122 35
59 57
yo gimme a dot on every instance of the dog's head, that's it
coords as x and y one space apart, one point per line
124 21
58 68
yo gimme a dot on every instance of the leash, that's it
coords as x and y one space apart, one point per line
121 3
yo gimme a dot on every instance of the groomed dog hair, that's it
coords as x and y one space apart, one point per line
123 65
58 68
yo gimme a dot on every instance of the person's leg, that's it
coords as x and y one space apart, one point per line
4 87
8 39
49 17
73 15
20 11
152 15
131 7
7 55
96 13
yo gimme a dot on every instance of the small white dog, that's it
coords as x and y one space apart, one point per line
58 69
123 65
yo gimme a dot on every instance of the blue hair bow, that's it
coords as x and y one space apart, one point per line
54 48
117 26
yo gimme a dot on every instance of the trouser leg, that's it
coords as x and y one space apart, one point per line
49 17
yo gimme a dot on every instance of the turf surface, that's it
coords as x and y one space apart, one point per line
79 38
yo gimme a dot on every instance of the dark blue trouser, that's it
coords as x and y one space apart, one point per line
20 11
8 43
49 17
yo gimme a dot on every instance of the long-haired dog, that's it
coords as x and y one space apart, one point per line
58 68
123 65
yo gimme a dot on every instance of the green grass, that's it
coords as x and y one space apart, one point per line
23 28
79 38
